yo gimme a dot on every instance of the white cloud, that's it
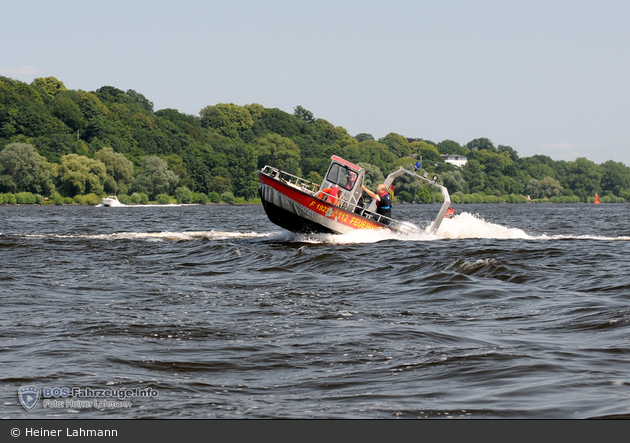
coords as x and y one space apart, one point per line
19 70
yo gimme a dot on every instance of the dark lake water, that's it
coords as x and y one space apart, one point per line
511 311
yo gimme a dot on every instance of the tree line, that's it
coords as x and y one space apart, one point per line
68 144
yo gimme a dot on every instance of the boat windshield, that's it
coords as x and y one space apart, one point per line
342 176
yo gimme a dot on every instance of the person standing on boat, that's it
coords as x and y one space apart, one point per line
383 202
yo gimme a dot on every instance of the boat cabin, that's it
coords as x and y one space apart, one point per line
342 184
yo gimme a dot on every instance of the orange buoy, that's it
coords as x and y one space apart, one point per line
596 199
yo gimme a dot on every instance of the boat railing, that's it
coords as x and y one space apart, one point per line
363 211
389 222
290 179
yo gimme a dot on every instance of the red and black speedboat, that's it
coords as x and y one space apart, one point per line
334 207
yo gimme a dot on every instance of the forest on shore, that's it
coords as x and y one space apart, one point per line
71 146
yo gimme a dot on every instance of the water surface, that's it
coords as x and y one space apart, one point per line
510 311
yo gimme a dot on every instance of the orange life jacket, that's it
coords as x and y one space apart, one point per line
332 197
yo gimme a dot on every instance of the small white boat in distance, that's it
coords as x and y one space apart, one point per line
111 200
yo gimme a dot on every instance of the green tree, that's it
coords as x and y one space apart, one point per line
584 178
220 185
430 155
22 169
546 188
228 119
510 185
183 195
493 162
282 123
540 171
303 114
424 195
58 122
154 177
79 175
454 182
25 198
481 144
473 173
451 147
97 116
200 198
550 187
244 178
314 177
615 177
397 144
110 94
68 111
228 197
279 152
163 199
178 166
214 197
140 100
373 153
49 86
511 151
119 170
363 137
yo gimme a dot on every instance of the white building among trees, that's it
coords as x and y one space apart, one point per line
454 159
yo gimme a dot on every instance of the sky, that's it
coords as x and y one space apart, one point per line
546 77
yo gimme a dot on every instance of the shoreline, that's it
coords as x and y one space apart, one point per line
151 204
100 205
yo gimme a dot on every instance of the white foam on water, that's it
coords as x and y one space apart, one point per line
461 226
357 236
190 235
139 205
581 237
467 225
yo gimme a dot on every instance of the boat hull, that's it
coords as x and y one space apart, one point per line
297 211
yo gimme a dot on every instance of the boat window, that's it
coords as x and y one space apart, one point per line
352 179
340 175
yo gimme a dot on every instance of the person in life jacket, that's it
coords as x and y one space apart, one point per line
330 195
383 202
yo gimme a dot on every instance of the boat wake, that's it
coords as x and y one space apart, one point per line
581 237
138 205
467 225
461 226
358 236
158 236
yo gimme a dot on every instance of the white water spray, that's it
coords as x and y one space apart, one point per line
466 225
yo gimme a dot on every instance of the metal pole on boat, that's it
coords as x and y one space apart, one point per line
445 195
